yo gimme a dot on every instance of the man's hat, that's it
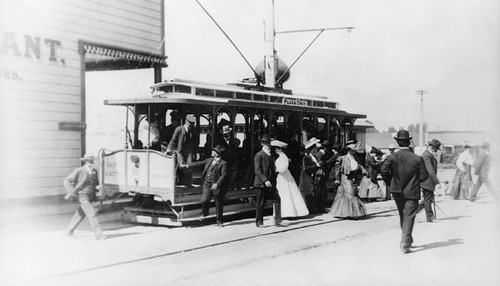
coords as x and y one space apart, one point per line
190 118
467 145
392 147
87 158
265 139
435 143
403 135
219 149
312 142
486 145
226 129
279 144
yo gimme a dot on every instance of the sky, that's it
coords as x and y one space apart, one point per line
449 48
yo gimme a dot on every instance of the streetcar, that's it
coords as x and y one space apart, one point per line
146 172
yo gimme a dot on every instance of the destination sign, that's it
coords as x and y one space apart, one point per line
295 101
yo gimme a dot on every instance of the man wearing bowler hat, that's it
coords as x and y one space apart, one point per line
214 179
428 186
403 172
82 184
265 182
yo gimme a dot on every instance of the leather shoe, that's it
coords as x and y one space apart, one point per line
101 237
220 224
260 226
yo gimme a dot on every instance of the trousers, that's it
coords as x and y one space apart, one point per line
264 194
480 181
85 209
407 209
206 197
428 200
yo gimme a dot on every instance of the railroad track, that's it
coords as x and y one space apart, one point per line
210 245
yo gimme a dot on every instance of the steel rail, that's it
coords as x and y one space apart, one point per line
90 269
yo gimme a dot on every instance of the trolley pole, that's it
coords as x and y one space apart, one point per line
269 39
421 130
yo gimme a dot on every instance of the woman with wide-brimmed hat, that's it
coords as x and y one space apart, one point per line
347 204
292 203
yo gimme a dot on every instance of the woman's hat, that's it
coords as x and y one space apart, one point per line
312 142
87 158
226 129
403 135
352 145
219 149
279 144
435 143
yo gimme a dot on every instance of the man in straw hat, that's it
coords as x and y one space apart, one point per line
214 179
403 172
428 186
265 183
82 184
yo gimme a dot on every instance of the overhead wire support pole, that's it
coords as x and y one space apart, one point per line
421 129
321 30
227 36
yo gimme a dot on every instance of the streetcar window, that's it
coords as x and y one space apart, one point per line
182 88
319 103
224 93
260 97
276 99
241 95
167 88
204 92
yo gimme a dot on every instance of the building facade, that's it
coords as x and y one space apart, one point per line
46 46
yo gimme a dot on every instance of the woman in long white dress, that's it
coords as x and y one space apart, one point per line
292 203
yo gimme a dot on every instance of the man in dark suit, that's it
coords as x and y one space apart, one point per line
428 186
482 170
82 184
265 183
227 140
403 172
184 142
214 178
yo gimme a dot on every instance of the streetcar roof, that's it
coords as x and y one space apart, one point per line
197 93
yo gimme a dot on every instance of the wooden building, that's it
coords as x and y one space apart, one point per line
46 46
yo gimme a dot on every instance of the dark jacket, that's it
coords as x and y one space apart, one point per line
219 173
431 167
182 141
404 171
265 170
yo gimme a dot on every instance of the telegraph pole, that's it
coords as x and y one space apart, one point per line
421 130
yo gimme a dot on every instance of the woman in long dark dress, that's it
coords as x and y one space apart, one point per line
347 204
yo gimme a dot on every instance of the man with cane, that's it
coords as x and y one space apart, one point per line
428 186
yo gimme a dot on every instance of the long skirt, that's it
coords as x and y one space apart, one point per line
347 203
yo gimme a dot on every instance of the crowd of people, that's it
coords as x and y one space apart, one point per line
351 175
